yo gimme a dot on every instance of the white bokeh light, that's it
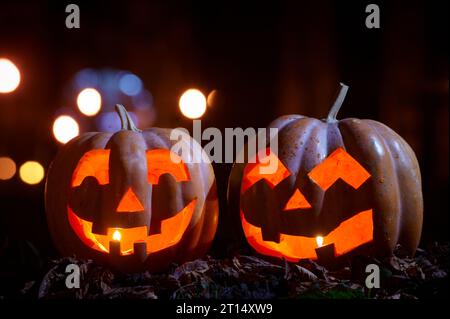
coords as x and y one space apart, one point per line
89 101
193 103
9 76
65 128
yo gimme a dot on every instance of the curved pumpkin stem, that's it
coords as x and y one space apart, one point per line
125 119
331 118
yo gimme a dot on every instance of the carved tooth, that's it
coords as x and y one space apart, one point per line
114 248
140 250
155 228
325 254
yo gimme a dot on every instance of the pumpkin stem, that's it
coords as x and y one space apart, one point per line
125 119
331 118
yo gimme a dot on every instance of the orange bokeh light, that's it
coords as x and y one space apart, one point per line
7 168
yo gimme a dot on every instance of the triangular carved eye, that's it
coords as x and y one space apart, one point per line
130 203
254 171
297 201
339 164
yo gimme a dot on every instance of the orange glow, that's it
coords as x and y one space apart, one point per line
297 201
339 164
130 203
350 234
7 168
93 163
252 172
160 162
172 230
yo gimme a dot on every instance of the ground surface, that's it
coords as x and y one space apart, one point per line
424 276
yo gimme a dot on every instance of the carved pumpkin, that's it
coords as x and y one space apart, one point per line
127 200
339 184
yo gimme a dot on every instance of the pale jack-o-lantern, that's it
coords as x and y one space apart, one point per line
339 184
128 200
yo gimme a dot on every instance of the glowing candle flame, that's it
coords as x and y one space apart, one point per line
116 235
319 241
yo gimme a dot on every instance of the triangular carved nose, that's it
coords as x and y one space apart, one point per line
130 203
297 201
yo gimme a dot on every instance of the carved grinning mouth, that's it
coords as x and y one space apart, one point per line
172 229
351 233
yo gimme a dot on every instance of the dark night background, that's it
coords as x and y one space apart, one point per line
265 59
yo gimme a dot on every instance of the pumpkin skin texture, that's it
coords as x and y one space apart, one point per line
119 199
387 199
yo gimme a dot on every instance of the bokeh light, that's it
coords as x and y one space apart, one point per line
212 98
65 128
143 100
110 122
9 76
89 101
7 168
31 172
193 103
86 78
130 84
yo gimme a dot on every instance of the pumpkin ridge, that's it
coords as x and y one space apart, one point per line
405 218
394 177
361 139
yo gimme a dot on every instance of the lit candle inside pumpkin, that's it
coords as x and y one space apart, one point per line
114 245
319 241
116 235
325 254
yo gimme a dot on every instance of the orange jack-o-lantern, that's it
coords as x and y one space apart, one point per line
339 184
126 199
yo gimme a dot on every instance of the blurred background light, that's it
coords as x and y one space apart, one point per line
143 100
97 91
89 101
212 98
9 76
86 78
31 172
7 168
65 128
130 84
193 103
110 121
